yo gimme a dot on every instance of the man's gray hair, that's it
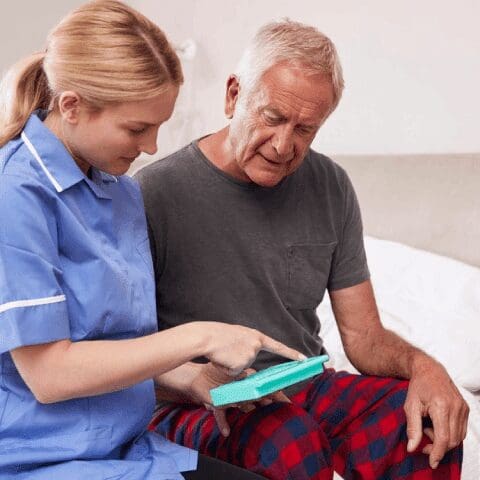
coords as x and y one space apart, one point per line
295 43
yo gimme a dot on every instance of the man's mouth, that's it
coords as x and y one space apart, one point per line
274 162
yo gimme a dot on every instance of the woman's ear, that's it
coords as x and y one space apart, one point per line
231 95
69 104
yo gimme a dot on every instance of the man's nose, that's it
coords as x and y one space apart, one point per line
282 142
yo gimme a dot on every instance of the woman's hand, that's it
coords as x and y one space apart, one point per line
210 376
235 347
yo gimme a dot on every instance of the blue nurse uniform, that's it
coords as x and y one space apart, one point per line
74 264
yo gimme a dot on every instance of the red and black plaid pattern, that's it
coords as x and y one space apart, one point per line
353 423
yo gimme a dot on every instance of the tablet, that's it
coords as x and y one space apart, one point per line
267 381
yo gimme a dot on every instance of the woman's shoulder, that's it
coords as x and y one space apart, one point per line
20 193
22 186
18 168
12 156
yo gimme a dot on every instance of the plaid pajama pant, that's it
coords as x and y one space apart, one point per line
352 424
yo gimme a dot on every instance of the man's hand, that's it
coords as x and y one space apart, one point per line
211 376
432 393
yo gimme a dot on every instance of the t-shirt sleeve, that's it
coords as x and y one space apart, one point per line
32 304
349 262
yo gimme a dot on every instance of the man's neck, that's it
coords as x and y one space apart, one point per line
218 150
215 148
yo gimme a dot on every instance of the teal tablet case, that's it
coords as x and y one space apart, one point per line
267 381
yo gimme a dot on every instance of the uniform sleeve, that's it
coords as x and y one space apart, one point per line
32 304
349 263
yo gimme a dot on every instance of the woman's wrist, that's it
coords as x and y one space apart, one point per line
200 336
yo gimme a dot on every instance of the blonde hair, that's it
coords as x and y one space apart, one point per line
294 43
105 51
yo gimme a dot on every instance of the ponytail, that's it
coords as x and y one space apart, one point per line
23 89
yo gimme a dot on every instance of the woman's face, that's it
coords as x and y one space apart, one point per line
112 138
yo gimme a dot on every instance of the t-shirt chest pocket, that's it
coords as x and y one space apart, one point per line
308 269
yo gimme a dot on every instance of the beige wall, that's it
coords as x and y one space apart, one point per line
412 68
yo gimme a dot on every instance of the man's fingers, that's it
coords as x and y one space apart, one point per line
221 419
272 346
274 397
458 424
427 449
441 429
459 419
280 397
455 428
247 407
429 433
465 422
413 413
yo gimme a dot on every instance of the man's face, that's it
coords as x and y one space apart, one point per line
273 127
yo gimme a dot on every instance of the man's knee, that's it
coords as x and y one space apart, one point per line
281 440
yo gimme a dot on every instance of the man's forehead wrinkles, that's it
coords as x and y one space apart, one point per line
307 112
279 96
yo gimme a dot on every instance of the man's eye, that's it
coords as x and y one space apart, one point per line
137 131
304 130
272 120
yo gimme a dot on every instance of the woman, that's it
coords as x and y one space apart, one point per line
78 339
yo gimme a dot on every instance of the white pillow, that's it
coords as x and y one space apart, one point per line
430 300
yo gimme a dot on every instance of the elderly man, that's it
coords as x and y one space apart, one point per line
250 226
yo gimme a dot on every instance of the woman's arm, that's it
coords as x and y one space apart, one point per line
64 370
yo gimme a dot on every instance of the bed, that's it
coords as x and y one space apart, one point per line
422 235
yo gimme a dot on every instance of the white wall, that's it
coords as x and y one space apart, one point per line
412 68
24 25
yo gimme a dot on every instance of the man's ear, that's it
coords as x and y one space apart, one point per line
231 96
69 104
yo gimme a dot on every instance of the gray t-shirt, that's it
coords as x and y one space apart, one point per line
233 252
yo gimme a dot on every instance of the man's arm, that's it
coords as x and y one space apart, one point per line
374 350
371 348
